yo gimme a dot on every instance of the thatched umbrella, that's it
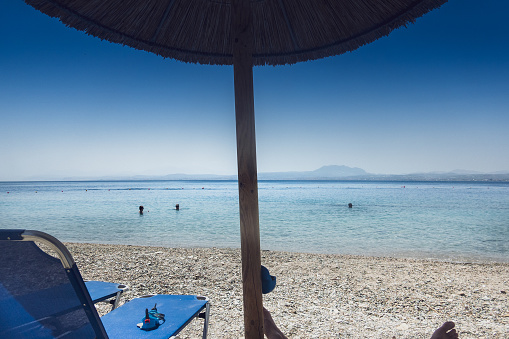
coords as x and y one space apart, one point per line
242 33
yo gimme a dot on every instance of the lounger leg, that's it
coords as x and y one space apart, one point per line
117 299
206 323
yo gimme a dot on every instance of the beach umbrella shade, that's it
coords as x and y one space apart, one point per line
242 33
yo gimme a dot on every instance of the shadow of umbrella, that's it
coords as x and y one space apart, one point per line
242 33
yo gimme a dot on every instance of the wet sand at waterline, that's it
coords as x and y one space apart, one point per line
317 295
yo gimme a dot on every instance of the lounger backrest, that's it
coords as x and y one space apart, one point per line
40 298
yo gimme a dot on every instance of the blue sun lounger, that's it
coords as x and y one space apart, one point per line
102 291
44 296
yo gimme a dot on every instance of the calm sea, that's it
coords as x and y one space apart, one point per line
442 220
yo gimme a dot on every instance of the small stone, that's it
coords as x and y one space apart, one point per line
403 327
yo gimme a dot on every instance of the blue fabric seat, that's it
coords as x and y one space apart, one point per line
44 296
179 310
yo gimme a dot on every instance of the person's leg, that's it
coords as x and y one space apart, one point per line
446 331
270 328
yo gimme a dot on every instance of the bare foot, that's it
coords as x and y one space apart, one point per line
446 331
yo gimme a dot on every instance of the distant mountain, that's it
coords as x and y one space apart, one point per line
176 176
500 172
323 173
335 172
441 176
464 172
331 172
339 171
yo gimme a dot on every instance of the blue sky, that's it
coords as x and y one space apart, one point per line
430 97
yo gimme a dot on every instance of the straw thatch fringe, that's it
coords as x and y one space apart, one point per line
199 31
370 34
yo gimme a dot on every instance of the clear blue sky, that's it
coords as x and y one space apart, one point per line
430 97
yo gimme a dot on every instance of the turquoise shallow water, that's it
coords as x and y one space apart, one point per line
443 220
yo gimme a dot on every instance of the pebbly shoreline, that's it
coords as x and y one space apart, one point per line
317 295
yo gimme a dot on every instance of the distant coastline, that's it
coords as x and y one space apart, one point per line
330 173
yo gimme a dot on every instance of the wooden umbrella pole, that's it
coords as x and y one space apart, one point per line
247 171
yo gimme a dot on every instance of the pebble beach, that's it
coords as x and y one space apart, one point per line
317 295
